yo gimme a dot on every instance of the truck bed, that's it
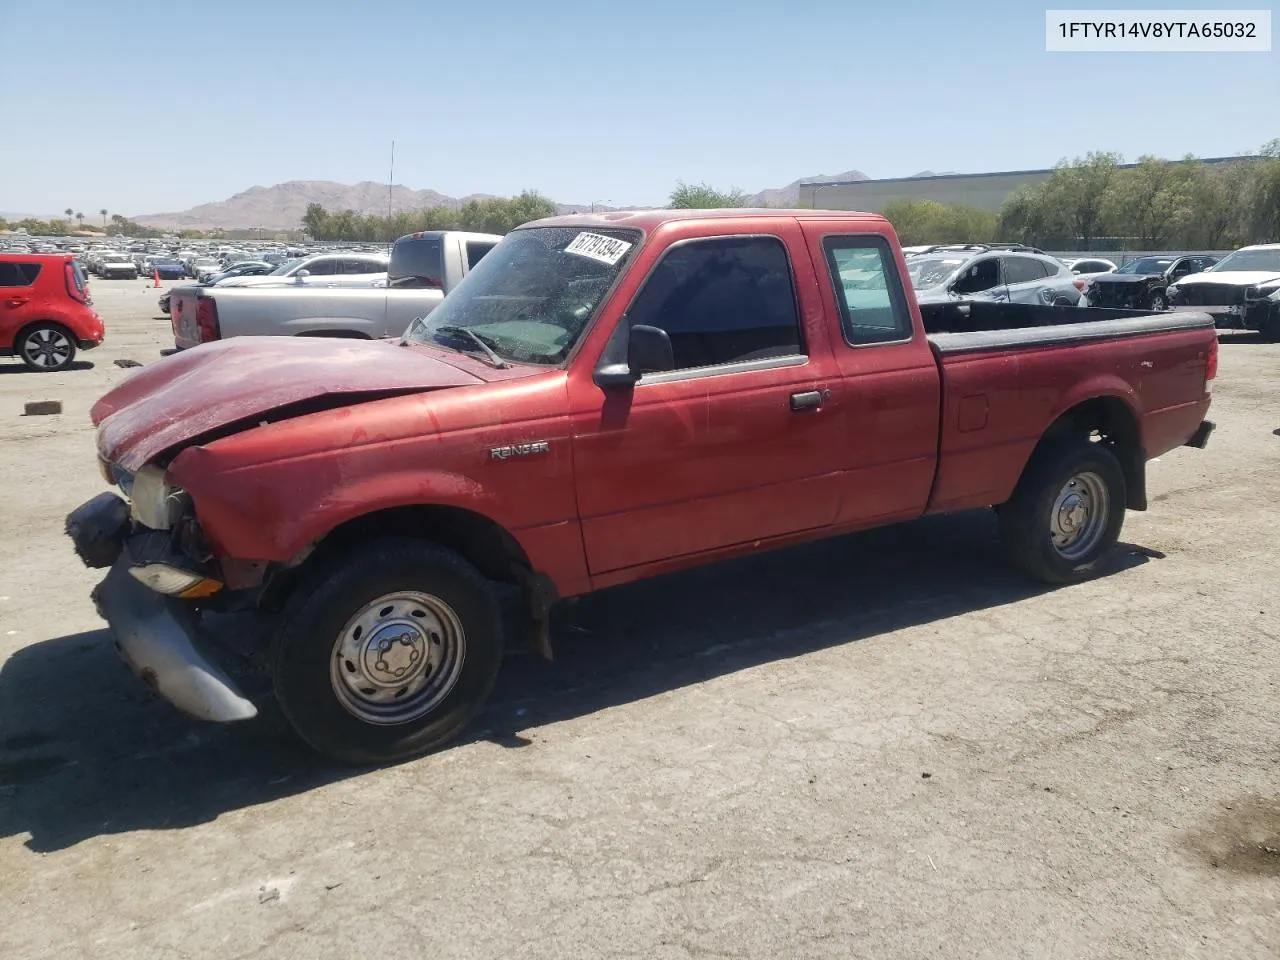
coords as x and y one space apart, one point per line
984 316
1004 369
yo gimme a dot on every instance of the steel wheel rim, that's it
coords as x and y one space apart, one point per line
1158 302
47 348
397 658
1079 516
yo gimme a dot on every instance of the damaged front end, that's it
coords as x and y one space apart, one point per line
159 571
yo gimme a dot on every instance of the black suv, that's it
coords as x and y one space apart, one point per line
1141 284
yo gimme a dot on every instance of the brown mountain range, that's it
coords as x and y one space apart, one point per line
281 207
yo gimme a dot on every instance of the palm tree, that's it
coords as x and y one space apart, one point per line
80 217
103 211
68 212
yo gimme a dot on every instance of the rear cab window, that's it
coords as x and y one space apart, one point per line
722 301
417 262
868 289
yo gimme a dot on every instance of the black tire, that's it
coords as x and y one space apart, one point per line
320 611
1269 329
46 347
1027 519
1158 301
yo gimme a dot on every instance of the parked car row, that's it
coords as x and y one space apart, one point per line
1143 283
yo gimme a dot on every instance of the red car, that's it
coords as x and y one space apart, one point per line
45 310
604 398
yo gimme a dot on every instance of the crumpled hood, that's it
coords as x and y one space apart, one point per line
198 391
1239 278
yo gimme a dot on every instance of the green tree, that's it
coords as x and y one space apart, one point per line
316 221
1217 218
80 220
69 212
502 215
927 221
1078 190
1151 202
1262 202
701 196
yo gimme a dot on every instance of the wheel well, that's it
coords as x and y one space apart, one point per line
1110 421
485 544
27 327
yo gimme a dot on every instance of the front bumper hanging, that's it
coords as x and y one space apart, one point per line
156 635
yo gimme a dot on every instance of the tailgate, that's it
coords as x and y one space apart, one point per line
182 314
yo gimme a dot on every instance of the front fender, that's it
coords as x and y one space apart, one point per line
274 511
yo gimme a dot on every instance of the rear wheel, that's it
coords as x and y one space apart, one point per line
387 652
46 347
1066 513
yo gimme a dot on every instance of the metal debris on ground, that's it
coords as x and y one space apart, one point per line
39 408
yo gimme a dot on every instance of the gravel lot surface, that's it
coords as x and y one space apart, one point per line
883 746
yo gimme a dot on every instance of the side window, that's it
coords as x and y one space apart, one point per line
873 308
324 267
18 274
722 300
475 252
978 276
363 266
1022 270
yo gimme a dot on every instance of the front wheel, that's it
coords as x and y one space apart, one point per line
46 347
387 651
1066 513
1158 302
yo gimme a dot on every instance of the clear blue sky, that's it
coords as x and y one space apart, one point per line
143 107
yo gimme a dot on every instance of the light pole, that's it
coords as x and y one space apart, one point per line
594 203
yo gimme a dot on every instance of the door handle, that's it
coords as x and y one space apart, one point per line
16 301
809 400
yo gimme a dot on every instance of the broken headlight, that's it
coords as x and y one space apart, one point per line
154 503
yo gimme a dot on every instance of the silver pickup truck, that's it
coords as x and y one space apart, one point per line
423 268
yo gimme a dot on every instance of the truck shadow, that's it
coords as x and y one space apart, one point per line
86 751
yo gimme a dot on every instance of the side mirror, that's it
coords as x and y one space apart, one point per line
301 275
648 351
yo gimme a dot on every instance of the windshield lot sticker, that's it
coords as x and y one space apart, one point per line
595 246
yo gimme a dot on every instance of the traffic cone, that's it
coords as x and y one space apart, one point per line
155 278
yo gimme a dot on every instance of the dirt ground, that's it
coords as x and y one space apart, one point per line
884 746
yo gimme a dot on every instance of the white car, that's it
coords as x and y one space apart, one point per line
324 269
1229 289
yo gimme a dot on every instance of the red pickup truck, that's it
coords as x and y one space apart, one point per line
604 398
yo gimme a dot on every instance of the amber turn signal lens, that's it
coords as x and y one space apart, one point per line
205 588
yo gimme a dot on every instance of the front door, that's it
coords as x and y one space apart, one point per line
740 441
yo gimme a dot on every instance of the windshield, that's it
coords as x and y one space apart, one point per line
926 272
1249 260
531 297
1146 265
284 268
